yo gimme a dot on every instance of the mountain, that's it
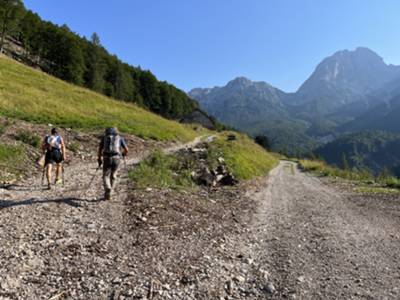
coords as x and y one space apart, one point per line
344 87
256 108
241 102
345 78
385 116
374 150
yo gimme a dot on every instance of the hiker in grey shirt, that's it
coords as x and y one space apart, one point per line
112 147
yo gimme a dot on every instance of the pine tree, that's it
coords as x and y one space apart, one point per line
10 12
345 163
95 66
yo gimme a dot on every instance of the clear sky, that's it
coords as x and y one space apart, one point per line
203 43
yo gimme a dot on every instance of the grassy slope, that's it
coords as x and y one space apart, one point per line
11 157
369 183
33 96
244 158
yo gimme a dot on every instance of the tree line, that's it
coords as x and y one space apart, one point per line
85 62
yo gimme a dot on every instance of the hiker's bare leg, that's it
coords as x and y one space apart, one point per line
58 171
48 173
106 178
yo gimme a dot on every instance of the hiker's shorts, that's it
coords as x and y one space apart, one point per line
53 157
110 169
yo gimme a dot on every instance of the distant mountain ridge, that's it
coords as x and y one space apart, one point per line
343 87
375 150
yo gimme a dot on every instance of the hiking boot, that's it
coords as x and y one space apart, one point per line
58 181
49 186
107 195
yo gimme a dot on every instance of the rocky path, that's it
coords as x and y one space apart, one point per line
292 237
38 228
320 242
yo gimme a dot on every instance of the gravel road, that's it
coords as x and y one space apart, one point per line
292 236
320 242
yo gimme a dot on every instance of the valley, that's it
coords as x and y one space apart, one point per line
349 92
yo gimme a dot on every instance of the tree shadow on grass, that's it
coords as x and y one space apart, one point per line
71 201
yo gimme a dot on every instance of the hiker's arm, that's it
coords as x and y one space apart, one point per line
100 154
64 154
44 145
125 148
100 151
126 151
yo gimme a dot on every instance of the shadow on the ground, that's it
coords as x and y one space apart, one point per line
22 188
74 202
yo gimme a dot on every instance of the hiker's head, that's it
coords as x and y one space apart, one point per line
111 131
54 131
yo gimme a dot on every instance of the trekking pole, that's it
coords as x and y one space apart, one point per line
63 178
43 173
126 166
91 180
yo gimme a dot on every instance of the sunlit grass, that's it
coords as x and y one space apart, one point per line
34 96
244 158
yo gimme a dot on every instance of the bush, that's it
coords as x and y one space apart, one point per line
74 147
11 158
263 141
162 171
2 129
29 138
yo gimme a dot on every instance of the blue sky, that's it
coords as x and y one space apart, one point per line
204 43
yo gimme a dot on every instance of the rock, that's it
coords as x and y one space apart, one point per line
228 180
229 287
231 137
270 288
239 278
249 261
117 280
300 279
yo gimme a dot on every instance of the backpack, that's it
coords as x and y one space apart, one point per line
112 144
53 142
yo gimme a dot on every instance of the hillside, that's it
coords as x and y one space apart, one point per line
374 150
83 61
383 116
33 96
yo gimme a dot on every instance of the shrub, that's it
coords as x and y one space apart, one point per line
74 147
162 171
29 138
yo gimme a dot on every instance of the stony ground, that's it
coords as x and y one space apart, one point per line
288 236
322 241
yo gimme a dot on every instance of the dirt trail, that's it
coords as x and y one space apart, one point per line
295 238
323 243
33 218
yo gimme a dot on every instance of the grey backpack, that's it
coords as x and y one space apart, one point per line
112 144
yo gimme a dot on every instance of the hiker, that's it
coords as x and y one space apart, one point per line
112 148
53 148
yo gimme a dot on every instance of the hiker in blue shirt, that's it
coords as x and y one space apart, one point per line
54 149
112 147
